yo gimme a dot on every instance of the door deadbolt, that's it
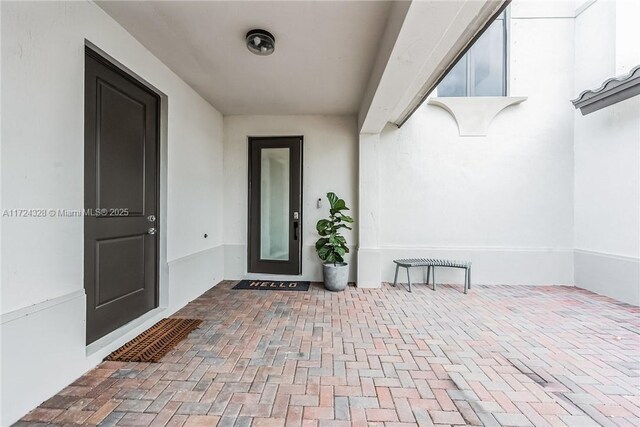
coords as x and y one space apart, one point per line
151 218
296 215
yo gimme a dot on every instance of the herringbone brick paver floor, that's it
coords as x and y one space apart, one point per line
502 355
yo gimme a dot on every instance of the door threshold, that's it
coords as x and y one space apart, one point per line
102 347
274 277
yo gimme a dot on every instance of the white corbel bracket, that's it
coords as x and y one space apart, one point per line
474 114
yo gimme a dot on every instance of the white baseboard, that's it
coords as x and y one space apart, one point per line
504 266
42 352
608 274
524 266
369 268
235 265
192 275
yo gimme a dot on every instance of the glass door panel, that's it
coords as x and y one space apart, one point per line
274 204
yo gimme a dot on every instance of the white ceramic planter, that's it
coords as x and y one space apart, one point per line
336 276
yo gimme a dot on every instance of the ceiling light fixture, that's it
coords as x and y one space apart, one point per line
261 42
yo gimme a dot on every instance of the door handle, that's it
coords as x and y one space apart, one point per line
295 230
151 231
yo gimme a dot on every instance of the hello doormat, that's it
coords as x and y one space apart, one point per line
155 342
268 285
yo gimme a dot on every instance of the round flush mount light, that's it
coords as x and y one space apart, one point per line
261 42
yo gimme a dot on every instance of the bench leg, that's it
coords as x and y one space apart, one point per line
433 269
469 277
409 279
395 278
466 279
428 274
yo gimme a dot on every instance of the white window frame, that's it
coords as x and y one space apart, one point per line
506 50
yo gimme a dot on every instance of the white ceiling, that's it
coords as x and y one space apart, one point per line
321 65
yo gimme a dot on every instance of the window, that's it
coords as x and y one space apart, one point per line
482 71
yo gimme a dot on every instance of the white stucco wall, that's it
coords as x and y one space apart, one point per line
503 201
42 291
607 155
329 164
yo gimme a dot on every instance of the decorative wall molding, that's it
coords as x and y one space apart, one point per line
607 255
195 254
477 248
43 305
474 114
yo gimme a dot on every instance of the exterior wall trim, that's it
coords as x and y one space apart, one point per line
40 306
584 6
612 91
478 248
607 255
606 274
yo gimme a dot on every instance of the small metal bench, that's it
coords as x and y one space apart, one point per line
431 265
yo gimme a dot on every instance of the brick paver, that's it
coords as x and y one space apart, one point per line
501 355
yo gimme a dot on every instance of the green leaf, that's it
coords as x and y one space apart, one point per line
339 205
332 199
339 226
346 218
322 224
321 242
325 253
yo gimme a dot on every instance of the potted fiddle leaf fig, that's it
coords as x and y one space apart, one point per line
332 246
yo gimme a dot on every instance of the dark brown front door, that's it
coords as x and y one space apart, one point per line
121 186
275 205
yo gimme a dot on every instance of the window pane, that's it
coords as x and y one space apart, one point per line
274 204
486 62
455 83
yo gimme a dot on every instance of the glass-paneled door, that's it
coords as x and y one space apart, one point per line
275 201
